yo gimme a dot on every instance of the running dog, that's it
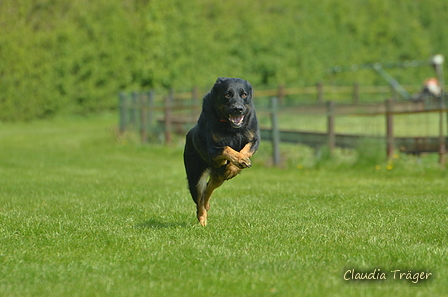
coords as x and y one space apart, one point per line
222 142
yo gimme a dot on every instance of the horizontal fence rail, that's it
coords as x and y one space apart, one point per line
158 117
281 92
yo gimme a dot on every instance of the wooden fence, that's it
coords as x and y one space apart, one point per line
161 116
331 139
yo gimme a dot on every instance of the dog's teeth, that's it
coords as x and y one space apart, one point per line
236 119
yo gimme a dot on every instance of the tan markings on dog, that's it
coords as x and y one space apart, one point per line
230 154
204 205
240 159
231 171
247 150
202 183
202 215
216 138
250 135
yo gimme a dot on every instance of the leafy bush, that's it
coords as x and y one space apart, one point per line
75 56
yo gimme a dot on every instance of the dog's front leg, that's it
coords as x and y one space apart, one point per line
248 150
231 171
240 159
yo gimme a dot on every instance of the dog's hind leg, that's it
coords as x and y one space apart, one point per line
195 168
201 187
197 181
198 186
204 205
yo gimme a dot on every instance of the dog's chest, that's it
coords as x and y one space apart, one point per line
235 140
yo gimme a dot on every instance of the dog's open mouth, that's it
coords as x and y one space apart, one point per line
236 121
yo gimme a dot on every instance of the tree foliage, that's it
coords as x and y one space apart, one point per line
61 56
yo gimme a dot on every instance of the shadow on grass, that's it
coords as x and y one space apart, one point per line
156 223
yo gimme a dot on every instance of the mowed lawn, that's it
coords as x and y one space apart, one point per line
84 213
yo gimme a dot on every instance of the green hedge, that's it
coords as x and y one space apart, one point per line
63 56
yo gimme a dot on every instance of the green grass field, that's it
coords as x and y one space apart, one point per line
84 213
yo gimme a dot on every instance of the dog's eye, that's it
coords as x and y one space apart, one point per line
244 95
228 95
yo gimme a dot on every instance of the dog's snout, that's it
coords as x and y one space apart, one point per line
238 109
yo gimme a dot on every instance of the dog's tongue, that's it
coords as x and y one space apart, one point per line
237 120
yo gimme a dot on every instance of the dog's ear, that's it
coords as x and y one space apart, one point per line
249 86
216 86
220 80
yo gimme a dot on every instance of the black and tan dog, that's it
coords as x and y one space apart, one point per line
222 142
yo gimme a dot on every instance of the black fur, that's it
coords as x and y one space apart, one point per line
220 126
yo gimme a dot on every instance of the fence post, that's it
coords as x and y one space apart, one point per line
389 129
150 108
320 92
437 62
330 126
168 119
355 93
281 94
123 111
442 149
143 118
275 132
134 102
194 102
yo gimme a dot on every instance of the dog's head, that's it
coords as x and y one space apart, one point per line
232 100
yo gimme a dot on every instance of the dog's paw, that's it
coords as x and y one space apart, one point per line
231 171
202 216
203 221
243 162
